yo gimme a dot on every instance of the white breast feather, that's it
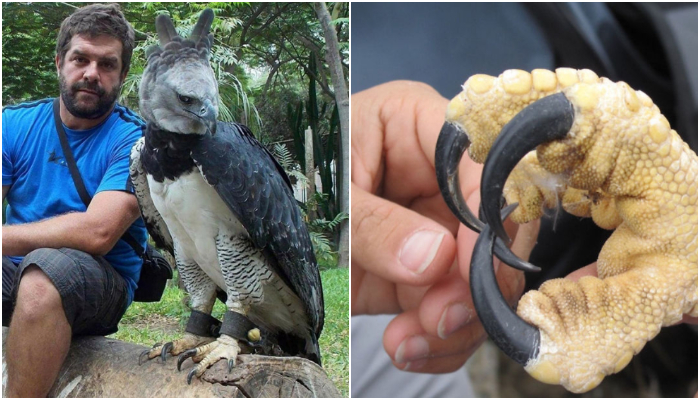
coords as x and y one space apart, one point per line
195 214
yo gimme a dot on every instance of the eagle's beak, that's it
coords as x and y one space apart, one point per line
208 116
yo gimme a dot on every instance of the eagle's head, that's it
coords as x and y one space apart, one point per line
178 91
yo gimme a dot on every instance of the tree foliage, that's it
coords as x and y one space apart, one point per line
28 49
261 51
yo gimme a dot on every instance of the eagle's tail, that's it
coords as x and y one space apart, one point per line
313 351
306 347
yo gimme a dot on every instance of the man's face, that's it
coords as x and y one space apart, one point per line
90 75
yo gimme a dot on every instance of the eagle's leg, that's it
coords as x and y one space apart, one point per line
202 292
241 271
225 347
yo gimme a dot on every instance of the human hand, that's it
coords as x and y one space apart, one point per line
405 239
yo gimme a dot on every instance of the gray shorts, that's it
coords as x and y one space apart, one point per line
94 295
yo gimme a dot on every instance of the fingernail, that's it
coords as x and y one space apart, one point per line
412 349
420 249
455 317
415 365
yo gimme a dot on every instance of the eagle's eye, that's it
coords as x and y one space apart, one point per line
184 99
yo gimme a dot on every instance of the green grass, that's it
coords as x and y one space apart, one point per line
336 330
150 323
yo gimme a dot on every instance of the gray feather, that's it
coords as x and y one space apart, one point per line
201 29
165 28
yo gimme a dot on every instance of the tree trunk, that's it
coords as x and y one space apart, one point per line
310 172
103 367
341 98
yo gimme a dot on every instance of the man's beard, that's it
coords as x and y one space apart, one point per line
103 105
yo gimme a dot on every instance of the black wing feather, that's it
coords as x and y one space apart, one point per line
258 191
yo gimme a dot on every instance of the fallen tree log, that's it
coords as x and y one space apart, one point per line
101 367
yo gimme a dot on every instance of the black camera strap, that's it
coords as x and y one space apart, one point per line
78 180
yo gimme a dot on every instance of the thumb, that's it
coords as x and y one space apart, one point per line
396 243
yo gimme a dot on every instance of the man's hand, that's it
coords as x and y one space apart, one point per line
94 231
405 239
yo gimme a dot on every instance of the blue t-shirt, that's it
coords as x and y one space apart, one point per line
41 185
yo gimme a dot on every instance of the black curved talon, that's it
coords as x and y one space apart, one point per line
231 363
144 353
451 144
518 339
547 119
184 356
166 349
190 375
505 212
504 253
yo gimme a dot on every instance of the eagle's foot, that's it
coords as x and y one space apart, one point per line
601 150
532 187
225 347
593 327
174 348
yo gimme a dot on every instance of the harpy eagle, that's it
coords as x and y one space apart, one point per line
216 197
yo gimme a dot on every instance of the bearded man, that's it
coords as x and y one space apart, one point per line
65 270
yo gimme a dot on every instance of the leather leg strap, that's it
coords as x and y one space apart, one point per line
202 324
238 326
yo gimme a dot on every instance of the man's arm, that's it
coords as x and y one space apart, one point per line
94 231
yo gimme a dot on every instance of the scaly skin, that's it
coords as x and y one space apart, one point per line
224 347
178 346
622 164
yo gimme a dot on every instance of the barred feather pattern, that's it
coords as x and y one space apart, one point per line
198 284
244 268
